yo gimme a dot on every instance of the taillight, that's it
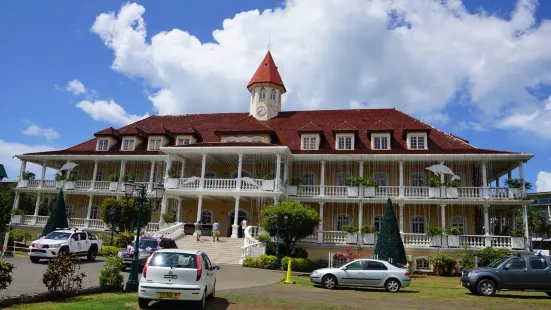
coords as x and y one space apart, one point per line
199 267
407 274
144 272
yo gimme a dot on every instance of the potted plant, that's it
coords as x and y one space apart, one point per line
16 216
268 183
70 181
113 182
515 186
351 233
25 177
58 181
435 235
451 189
292 189
517 239
369 187
168 218
353 186
368 234
173 178
453 233
434 188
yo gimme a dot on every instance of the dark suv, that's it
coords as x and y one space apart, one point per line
514 273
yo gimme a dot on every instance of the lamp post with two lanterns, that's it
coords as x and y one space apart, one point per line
141 198
276 218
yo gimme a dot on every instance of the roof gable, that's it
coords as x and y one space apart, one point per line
310 128
248 124
267 72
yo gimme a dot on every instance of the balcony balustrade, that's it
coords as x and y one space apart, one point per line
81 223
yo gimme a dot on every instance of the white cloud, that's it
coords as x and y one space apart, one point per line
35 130
474 126
543 181
75 87
415 55
108 111
12 165
532 120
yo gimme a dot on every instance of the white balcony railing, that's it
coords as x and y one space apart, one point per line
419 240
387 191
220 184
308 190
49 184
83 185
336 191
102 185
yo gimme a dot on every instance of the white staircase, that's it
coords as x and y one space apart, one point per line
227 251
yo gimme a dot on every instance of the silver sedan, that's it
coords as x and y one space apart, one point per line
363 272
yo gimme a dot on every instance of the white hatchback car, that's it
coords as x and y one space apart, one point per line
177 275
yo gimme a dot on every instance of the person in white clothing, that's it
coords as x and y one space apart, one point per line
243 227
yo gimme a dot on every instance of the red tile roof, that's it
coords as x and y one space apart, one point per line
287 126
380 126
267 72
345 127
110 131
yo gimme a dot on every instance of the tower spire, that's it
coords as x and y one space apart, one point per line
267 72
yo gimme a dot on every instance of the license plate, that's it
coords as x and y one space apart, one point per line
168 295
171 276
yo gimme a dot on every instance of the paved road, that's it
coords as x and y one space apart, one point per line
27 277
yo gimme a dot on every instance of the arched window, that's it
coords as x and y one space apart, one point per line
309 178
262 94
174 212
257 139
342 178
418 225
94 212
244 139
460 221
210 175
244 174
206 216
417 179
381 178
69 209
273 96
341 220
99 176
230 139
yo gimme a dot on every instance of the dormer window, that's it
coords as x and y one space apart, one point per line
262 94
310 142
380 141
273 95
128 144
345 142
155 144
417 141
183 141
103 145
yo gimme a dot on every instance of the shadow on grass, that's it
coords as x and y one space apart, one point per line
214 304
369 289
503 296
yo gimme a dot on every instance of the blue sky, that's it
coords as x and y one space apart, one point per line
47 44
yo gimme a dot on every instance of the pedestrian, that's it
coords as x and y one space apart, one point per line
243 227
197 231
215 231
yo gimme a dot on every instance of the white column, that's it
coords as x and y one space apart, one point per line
285 171
43 174
235 226
509 174
199 206
521 175
239 171
94 175
486 220
361 172
37 204
322 178
443 215
401 217
320 226
179 211
151 175
484 181
278 171
183 169
168 166
360 215
121 173
276 200
203 167
525 220
16 201
23 168
89 212
549 212
164 208
401 189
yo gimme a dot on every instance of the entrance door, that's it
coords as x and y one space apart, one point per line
240 217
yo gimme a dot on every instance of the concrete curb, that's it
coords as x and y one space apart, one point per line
40 297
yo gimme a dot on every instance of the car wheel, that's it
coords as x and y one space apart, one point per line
143 303
212 295
63 251
486 287
392 285
34 259
201 303
92 253
329 282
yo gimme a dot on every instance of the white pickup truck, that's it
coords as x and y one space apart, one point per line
75 241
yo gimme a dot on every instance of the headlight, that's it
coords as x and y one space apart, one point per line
471 274
315 272
55 246
32 244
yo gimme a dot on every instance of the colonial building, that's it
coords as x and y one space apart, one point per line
227 166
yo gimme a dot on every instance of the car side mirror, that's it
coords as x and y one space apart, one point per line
506 266
343 268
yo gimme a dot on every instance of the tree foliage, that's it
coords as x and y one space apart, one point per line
389 244
63 276
110 276
6 270
302 222
58 216
126 214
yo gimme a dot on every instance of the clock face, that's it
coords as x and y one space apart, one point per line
261 110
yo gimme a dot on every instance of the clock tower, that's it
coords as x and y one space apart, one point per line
266 88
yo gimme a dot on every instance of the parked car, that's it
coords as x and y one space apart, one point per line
514 273
363 272
147 247
177 275
65 240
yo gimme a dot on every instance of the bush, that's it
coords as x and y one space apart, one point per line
299 253
250 261
19 235
467 259
490 254
109 251
444 264
124 239
341 258
63 276
320 263
168 218
267 261
6 270
105 238
111 277
298 264
351 229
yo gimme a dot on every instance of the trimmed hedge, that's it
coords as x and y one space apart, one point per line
109 251
297 264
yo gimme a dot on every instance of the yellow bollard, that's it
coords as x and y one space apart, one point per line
288 278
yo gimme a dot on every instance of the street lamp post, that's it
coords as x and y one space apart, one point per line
276 219
129 188
112 212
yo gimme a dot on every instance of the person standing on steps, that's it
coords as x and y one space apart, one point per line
243 227
198 231
215 231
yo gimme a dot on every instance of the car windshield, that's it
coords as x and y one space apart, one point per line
57 235
174 260
498 262
147 243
